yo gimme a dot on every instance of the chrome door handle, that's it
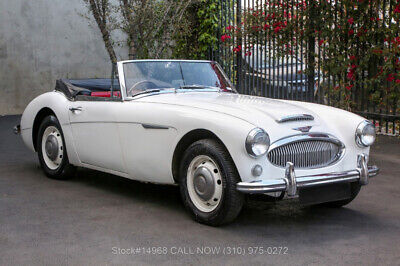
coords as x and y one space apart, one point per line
74 109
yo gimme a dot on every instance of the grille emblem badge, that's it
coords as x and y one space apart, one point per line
303 129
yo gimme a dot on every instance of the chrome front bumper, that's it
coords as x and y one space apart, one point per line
290 183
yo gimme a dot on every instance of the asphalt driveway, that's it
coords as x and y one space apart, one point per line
97 219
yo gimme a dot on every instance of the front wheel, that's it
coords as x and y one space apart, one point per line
208 179
51 149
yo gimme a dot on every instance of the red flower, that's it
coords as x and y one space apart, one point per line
390 77
321 42
351 32
266 26
225 37
397 9
229 28
237 49
396 41
398 81
247 53
350 75
352 57
277 29
349 87
377 51
350 21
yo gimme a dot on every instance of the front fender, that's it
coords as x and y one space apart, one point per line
232 132
58 104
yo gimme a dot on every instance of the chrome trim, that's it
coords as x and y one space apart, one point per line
314 136
299 117
74 109
363 169
121 74
303 129
290 183
360 131
249 141
149 126
290 178
164 60
17 129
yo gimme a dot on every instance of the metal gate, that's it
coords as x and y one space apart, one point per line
257 66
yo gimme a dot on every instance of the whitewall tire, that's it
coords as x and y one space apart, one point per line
51 150
208 179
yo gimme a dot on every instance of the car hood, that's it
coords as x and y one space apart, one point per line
259 111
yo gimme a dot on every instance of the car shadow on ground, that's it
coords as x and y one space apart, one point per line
168 195
271 216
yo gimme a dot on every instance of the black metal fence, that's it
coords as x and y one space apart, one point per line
257 68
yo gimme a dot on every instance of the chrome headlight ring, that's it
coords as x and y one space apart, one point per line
365 134
257 142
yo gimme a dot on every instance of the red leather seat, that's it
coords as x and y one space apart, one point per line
106 94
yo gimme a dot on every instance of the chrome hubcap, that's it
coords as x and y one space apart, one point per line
52 147
204 183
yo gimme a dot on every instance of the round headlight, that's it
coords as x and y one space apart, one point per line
365 134
257 142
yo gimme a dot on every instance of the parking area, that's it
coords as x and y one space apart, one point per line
97 218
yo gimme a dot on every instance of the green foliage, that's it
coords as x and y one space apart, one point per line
199 32
358 42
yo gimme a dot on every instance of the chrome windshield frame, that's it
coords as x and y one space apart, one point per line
121 74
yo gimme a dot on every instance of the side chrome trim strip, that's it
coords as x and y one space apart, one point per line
149 126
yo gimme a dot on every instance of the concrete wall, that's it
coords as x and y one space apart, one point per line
41 41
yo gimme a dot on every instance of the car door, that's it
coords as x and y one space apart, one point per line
95 133
148 135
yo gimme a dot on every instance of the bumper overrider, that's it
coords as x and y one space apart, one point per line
290 183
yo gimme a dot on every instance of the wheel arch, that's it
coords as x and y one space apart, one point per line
44 112
189 138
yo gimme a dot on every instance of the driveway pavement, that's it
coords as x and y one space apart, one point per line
97 219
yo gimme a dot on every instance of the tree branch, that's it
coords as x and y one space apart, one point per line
99 11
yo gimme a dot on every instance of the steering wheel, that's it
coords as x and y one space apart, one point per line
140 83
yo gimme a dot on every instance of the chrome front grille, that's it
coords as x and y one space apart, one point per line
304 151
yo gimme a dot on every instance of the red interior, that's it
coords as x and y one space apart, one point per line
105 94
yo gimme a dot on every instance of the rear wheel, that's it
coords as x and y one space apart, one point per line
208 179
51 149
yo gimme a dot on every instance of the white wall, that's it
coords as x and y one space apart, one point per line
41 41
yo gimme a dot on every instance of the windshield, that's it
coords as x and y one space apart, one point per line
149 76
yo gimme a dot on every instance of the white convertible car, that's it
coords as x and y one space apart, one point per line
182 122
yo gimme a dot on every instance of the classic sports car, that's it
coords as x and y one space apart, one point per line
182 122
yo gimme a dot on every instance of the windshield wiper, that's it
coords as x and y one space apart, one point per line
147 91
196 86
